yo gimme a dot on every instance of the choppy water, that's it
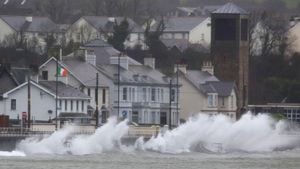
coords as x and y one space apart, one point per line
150 160
256 142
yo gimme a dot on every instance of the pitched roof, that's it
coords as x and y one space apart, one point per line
230 8
38 24
207 83
64 90
86 72
222 88
198 77
181 44
106 24
180 24
104 51
7 81
136 74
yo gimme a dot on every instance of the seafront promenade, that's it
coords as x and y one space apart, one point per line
10 136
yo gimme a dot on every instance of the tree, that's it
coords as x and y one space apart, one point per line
120 33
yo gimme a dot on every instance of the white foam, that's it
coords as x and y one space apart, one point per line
251 133
105 138
12 154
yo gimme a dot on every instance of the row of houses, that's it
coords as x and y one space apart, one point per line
33 31
126 88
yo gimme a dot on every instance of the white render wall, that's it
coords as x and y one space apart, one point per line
84 29
5 30
201 34
41 102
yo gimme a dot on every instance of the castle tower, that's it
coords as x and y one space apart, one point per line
230 48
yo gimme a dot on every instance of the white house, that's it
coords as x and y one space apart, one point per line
141 93
82 76
88 28
182 31
202 92
43 96
32 29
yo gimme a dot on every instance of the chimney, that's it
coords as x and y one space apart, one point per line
90 57
28 19
111 19
181 67
149 61
208 67
124 63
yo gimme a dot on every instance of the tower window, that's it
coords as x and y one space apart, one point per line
225 29
244 29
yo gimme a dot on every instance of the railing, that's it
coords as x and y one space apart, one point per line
133 131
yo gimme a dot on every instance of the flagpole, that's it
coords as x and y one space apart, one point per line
56 89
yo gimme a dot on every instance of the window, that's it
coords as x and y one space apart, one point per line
153 117
172 95
66 105
124 93
45 75
158 94
82 105
145 117
144 94
244 29
129 94
222 101
162 95
210 100
153 94
103 96
225 29
135 116
231 99
13 104
71 105
60 103
89 92
77 105
202 36
133 94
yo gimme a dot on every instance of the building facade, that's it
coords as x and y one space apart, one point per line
230 48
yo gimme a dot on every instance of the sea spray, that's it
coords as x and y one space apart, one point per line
47 144
218 133
105 138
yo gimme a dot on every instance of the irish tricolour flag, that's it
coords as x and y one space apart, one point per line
62 72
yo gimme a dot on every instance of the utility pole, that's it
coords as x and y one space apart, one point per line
29 98
170 106
56 93
177 89
119 70
96 100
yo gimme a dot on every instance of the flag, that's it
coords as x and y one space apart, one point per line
62 72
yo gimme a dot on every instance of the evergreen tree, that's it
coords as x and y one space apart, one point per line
120 33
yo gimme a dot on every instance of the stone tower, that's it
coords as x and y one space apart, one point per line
230 48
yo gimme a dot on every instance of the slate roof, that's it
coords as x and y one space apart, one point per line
38 24
181 44
7 81
85 72
17 3
64 90
136 74
198 77
180 24
222 88
104 51
207 83
230 8
103 23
